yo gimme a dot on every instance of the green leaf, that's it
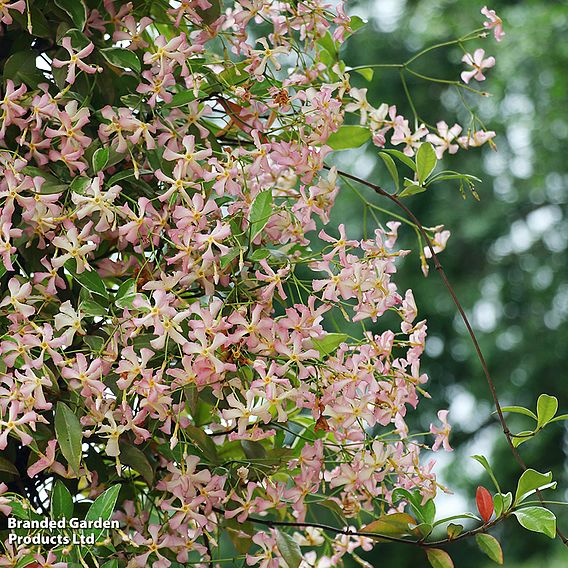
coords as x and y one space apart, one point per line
403 158
61 501
425 161
391 167
89 279
329 45
8 467
411 188
522 437
136 459
111 564
537 519
502 502
560 418
102 508
226 259
439 558
91 308
76 10
426 512
123 58
125 294
21 68
210 14
366 72
181 99
490 546
483 461
260 212
79 184
27 560
425 529
529 482
100 159
289 549
329 343
546 408
356 23
395 524
454 530
202 442
519 410
69 435
349 136
95 342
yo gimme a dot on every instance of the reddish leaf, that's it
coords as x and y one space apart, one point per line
484 502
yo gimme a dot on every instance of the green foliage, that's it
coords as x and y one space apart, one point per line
69 435
349 136
490 546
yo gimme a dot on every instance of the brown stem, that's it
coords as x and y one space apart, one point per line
464 318
390 538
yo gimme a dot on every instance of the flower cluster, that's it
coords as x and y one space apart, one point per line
160 197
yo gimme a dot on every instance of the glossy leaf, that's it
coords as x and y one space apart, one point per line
425 161
102 508
537 519
8 467
136 459
100 159
61 501
529 482
439 558
395 524
366 72
349 136
502 503
260 213
89 279
490 546
289 549
484 502
123 58
91 308
454 530
391 167
329 343
76 10
411 188
483 461
69 434
125 294
21 68
519 410
403 158
522 437
546 408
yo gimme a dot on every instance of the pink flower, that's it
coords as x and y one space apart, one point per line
442 434
19 295
274 280
478 63
445 138
20 6
13 422
495 23
46 460
75 60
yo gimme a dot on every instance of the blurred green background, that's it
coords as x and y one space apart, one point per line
507 255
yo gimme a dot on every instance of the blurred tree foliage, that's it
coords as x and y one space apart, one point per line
507 255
